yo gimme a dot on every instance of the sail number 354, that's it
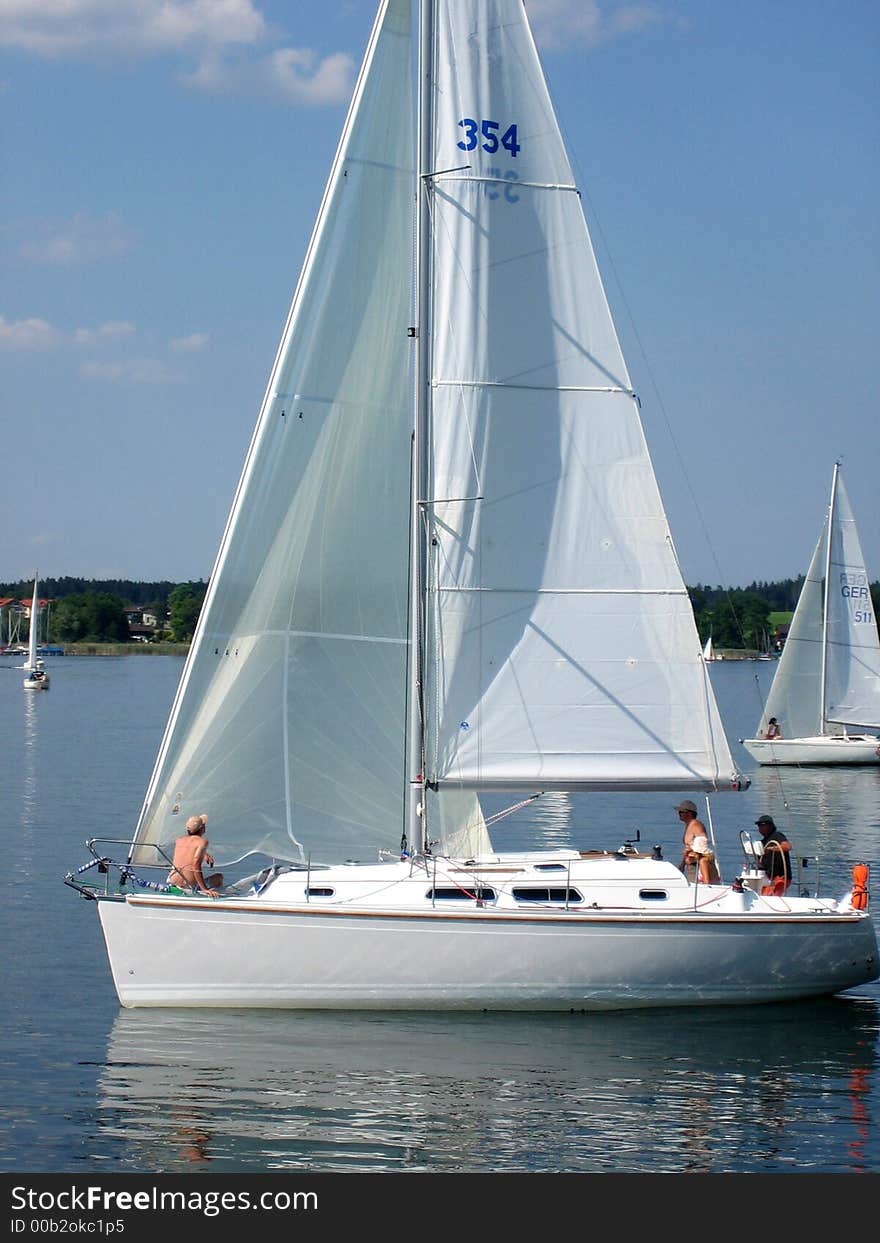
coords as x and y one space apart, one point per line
488 131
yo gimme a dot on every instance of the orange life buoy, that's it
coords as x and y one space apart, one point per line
860 887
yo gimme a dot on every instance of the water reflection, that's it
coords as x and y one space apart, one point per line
842 805
774 1088
30 739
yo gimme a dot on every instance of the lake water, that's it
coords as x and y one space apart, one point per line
88 1087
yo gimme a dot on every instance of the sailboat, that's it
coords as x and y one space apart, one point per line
37 678
446 571
825 693
709 650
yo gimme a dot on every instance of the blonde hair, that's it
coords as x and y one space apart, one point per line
196 823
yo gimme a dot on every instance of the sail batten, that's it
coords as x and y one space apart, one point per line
564 591
438 382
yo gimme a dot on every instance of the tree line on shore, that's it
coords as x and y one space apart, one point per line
95 611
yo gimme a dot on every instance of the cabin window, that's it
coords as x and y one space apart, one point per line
320 893
535 893
653 895
550 867
461 895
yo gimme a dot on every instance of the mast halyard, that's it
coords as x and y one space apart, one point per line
416 811
825 599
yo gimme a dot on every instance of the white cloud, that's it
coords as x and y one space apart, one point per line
82 239
559 23
230 42
227 40
129 371
26 334
295 74
189 345
59 28
111 331
299 75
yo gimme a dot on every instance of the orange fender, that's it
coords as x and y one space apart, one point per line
860 887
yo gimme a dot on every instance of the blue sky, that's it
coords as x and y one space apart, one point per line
163 161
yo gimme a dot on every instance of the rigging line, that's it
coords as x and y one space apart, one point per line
507 811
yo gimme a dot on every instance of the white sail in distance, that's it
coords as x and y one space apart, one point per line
842 646
852 679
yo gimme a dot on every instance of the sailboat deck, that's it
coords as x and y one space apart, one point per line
546 885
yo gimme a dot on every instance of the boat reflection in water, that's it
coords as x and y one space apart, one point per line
701 1091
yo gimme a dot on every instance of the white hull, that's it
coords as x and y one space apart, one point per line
258 952
36 684
823 749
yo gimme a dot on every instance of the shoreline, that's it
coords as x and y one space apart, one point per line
120 649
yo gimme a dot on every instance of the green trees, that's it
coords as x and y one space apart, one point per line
735 618
91 617
184 604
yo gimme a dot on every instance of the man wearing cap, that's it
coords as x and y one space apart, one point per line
775 859
693 828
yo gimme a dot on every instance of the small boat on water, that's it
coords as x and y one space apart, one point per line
825 693
447 571
36 678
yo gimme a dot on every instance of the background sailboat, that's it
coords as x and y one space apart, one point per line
37 678
827 682
709 650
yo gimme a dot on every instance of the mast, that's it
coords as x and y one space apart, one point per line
826 597
415 822
32 633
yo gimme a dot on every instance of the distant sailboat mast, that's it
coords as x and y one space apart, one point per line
32 634
825 601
